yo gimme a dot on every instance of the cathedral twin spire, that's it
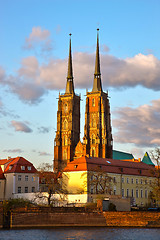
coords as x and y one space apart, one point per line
97 85
70 84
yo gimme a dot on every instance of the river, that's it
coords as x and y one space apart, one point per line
94 233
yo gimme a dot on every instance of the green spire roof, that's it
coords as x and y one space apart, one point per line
146 159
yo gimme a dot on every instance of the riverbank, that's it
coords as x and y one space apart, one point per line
63 219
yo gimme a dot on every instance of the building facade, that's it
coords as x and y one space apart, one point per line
20 177
127 179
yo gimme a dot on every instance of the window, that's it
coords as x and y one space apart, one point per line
65 140
19 177
93 102
91 190
122 180
141 181
146 194
29 168
114 179
145 181
136 181
75 166
127 180
127 192
132 180
33 179
19 189
114 192
26 178
122 192
136 193
93 152
93 139
10 167
141 193
65 125
23 168
26 189
150 182
33 189
132 193
65 154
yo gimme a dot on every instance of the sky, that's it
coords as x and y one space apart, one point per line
34 50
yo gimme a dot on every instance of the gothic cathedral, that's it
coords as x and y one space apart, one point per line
97 140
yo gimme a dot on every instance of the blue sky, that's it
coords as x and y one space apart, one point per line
33 69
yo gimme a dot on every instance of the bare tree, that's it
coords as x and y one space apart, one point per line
155 193
98 181
51 182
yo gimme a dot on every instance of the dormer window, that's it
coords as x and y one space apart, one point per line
23 168
75 166
10 167
29 168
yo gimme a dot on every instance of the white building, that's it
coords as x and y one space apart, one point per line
20 176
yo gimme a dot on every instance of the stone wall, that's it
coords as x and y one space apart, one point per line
132 219
49 219
108 219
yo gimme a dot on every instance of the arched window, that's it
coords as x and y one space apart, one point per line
65 140
65 124
93 139
93 152
65 154
93 102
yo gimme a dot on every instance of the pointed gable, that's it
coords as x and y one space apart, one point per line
79 152
1 174
146 159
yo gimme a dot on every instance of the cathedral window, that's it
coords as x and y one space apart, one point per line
93 152
65 125
65 107
93 139
65 140
93 102
65 154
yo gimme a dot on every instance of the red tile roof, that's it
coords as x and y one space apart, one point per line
15 164
1 174
110 166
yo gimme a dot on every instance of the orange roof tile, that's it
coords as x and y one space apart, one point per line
110 166
1 174
15 164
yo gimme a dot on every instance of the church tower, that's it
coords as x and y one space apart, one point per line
68 122
97 139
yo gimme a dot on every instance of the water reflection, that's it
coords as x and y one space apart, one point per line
81 234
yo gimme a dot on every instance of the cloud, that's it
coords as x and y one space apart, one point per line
105 48
25 84
13 150
39 37
58 29
44 154
33 80
43 129
2 75
21 127
140 126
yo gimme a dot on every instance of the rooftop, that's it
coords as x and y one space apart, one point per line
110 166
